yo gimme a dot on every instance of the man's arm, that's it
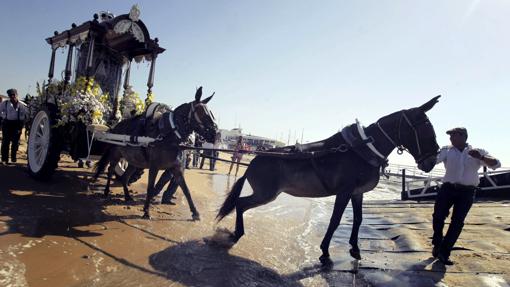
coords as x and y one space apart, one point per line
485 158
442 155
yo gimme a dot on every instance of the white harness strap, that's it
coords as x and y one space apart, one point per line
151 109
172 124
192 111
369 144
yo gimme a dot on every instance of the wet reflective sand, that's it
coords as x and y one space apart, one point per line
63 233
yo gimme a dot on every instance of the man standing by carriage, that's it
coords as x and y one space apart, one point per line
462 163
13 113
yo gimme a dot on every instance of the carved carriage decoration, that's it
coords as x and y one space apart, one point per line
99 55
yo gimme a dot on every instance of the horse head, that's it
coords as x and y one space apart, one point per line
201 118
417 135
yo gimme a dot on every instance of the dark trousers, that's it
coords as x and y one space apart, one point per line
207 153
11 132
213 161
461 198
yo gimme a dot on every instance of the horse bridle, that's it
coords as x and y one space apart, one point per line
399 146
192 111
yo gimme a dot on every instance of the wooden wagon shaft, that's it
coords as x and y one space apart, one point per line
123 140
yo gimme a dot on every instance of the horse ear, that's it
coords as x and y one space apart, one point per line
430 104
208 98
198 94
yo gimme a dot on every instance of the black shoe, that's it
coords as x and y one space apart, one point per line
444 259
435 251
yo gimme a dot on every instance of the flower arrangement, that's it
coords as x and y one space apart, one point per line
149 99
131 104
83 102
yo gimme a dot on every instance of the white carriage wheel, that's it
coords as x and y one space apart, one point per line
39 141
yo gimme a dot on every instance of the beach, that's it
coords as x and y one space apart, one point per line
64 233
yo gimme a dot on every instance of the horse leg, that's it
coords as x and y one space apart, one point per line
153 172
340 203
130 170
169 192
179 178
248 202
163 179
357 210
111 170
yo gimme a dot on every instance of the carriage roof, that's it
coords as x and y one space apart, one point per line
125 34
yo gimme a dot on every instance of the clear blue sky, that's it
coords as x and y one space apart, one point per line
303 65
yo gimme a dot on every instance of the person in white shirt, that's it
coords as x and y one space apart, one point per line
13 113
462 163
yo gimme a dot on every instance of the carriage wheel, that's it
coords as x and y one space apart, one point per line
43 148
121 167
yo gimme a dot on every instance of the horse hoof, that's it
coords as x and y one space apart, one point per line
167 202
355 253
147 216
196 217
325 260
128 199
105 195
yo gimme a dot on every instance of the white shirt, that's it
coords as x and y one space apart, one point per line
460 166
208 145
7 111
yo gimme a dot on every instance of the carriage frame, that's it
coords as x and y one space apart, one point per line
103 50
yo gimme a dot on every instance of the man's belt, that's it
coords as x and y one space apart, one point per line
459 186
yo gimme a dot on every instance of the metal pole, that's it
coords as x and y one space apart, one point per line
402 194
150 81
127 76
69 64
52 65
90 55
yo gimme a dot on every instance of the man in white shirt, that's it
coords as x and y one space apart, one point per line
13 113
462 163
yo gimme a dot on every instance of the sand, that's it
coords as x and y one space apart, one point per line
64 233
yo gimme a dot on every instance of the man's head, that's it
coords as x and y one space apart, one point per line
13 95
458 137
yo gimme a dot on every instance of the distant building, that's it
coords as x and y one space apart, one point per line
229 139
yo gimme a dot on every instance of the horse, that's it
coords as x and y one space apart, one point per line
170 129
345 165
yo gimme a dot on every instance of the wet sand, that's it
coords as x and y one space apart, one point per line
64 233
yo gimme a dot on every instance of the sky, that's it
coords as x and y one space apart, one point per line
302 69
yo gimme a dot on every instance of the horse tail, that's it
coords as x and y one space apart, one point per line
100 166
231 200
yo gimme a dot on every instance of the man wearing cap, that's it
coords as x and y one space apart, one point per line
13 114
462 163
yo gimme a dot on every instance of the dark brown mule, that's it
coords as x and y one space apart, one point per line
162 154
338 170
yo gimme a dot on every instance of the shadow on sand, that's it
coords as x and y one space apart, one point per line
57 207
195 263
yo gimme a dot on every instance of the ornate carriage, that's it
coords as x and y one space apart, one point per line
99 57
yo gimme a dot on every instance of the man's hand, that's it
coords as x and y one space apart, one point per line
475 153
